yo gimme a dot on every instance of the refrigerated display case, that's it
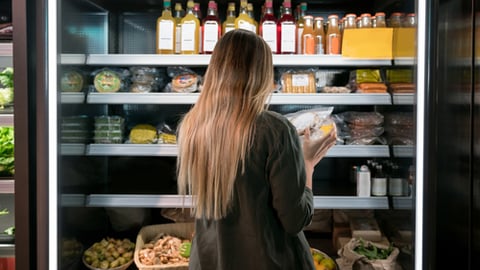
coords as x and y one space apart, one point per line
7 183
77 190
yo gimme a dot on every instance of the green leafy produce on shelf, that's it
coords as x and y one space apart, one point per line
10 230
373 252
7 166
6 87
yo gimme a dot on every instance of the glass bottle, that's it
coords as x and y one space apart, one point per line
366 20
229 23
268 26
380 20
410 20
166 30
243 20
333 37
178 15
252 17
396 19
300 26
379 182
198 13
308 36
350 21
319 35
211 29
190 31
286 30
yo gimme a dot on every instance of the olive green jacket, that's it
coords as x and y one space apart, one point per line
264 229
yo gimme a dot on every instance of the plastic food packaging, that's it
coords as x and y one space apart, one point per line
145 79
298 81
184 80
109 129
110 80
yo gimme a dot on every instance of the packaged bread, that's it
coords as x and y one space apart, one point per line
183 80
71 81
109 80
143 134
300 81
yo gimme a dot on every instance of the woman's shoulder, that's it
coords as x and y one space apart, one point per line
274 122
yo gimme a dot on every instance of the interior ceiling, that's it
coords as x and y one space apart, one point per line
355 6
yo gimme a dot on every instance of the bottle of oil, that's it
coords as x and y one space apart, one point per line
252 17
190 31
178 15
166 30
300 26
229 23
243 21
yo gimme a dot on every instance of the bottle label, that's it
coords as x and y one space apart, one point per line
188 36
319 45
379 186
334 44
210 35
287 42
269 34
300 80
178 40
229 28
165 35
299 37
308 44
246 25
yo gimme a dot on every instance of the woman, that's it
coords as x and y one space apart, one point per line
245 166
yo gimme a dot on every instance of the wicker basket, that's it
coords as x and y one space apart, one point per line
147 233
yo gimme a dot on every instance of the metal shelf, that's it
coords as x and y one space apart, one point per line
72 98
404 61
161 201
402 203
72 200
72 149
203 60
277 98
7 186
7 250
170 150
403 150
6 120
6 54
350 202
403 99
163 150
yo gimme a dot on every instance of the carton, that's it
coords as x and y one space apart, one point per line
404 42
368 43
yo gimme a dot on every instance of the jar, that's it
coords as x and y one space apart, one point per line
380 20
366 20
350 21
396 19
410 20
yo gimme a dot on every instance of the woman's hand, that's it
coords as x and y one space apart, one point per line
315 150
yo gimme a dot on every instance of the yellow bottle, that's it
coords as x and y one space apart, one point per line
300 26
243 21
190 31
179 13
252 17
229 23
166 25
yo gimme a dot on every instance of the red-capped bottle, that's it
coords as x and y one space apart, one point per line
287 30
211 28
268 26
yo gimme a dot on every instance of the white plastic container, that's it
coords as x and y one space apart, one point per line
363 182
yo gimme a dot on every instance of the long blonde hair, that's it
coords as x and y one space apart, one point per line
215 136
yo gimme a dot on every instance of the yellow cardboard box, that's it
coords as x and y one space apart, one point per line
368 43
404 42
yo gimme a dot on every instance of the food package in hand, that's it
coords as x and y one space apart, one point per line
316 119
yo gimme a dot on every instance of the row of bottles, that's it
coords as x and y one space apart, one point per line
382 178
288 33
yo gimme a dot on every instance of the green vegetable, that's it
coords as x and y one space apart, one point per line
6 77
10 230
185 249
7 166
4 212
373 252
